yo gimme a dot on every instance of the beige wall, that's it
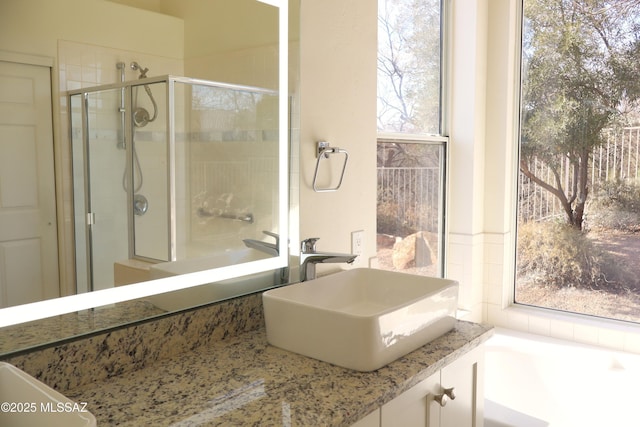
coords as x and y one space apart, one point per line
338 104
35 26
468 96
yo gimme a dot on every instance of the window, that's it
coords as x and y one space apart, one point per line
411 146
578 244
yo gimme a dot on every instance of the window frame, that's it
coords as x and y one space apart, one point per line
574 318
442 139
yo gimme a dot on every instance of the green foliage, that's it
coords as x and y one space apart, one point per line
389 223
394 220
616 206
557 255
580 73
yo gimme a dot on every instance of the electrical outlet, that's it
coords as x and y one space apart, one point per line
357 243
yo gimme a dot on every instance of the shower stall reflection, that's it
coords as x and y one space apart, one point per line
192 174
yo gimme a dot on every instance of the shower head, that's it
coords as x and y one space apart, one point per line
143 71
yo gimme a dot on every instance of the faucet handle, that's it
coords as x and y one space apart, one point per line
309 245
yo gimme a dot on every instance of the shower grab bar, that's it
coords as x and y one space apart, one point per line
246 217
324 150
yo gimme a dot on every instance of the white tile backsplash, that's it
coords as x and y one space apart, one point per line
631 342
585 334
561 329
540 326
611 338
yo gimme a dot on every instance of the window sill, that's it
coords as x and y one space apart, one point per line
615 334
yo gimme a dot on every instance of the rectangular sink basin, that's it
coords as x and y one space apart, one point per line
27 402
360 319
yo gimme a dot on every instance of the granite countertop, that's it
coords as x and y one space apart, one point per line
245 381
52 329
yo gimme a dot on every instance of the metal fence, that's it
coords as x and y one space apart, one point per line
617 159
409 199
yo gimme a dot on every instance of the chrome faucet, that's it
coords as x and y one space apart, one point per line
282 274
272 249
309 257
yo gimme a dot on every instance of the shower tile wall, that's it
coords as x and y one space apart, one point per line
231 163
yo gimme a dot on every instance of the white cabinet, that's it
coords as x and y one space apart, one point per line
371 420
452 397
414 407
466 376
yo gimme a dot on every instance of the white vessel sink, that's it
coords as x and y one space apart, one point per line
360 319
27 402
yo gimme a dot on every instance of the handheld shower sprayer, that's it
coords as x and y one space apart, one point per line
141 116
143 71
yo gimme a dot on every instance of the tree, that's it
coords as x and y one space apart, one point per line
580 76
408 77
409 66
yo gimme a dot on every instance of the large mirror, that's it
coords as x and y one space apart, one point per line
172 117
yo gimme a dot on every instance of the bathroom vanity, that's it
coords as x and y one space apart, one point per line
245 381
451 397
214 366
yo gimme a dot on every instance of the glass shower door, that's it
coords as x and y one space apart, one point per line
100 192
151 172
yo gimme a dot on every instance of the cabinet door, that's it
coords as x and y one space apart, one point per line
466 376
371 420
415 407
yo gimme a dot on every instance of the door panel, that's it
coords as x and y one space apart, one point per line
466 376
18 160
28 232
24 276
415 407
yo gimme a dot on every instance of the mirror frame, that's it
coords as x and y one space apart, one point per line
43 309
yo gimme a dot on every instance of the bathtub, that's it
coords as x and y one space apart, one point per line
533 381
199 295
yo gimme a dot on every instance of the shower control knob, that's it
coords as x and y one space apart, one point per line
140 204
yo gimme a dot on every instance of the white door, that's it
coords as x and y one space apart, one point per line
28 232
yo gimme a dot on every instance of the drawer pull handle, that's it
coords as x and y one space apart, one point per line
447 394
